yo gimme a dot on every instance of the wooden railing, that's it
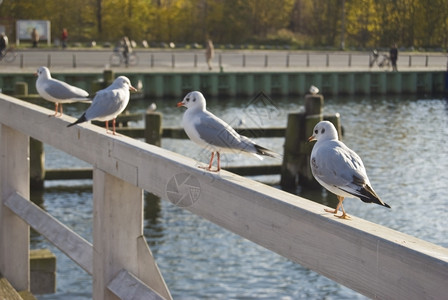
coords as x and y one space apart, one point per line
373 260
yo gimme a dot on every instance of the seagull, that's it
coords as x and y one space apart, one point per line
57 91
339 169
108 103
314 90
208 131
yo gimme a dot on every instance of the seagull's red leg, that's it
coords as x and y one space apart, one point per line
60 108
211 161
335 211
344 215
107 126
210 164
55 109
113 126
219 161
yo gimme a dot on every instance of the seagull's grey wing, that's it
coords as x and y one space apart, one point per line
106 104
338 166
61 90
220 134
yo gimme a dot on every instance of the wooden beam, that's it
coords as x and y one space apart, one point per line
14 232
70 243
374 260
128 287
117 229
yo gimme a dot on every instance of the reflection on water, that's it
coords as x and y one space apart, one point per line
401 140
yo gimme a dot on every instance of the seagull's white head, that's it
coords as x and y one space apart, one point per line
324 130
43 72
193 100
123 82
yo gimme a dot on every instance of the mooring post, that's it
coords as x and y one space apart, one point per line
21 89
153 128
109 77
37 164
313 114
291 156
296 165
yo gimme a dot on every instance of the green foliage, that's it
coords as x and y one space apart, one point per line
296 23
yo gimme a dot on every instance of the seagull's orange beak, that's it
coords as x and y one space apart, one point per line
179 104
311 138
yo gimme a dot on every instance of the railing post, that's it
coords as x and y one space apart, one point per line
117 236
296 165
37 164
14 232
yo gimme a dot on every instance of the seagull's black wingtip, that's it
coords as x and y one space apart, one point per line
80 120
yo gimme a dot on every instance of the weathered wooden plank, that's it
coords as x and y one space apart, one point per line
70 243
149 271
14 233
128 287
7 291
373 260
117 235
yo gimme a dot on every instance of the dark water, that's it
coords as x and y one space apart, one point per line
402 141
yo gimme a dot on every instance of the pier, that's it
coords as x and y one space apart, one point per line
374 260
283 82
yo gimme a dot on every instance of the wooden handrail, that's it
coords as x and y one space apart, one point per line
374 260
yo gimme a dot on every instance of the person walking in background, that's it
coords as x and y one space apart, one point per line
127 49
3 43
393 55
34 37
209 53
64 38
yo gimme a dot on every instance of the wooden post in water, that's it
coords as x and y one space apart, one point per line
153 128
21 89
109 77
296 165
37 164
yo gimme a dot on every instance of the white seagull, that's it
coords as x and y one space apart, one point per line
108 103
314 90
208 131
339 169
57 91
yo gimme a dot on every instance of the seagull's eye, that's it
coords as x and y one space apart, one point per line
194 99
322 131
188 99
316 131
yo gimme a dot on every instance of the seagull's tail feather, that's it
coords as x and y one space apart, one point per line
266 152
80 120
367 194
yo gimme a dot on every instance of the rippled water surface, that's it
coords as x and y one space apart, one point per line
402 141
